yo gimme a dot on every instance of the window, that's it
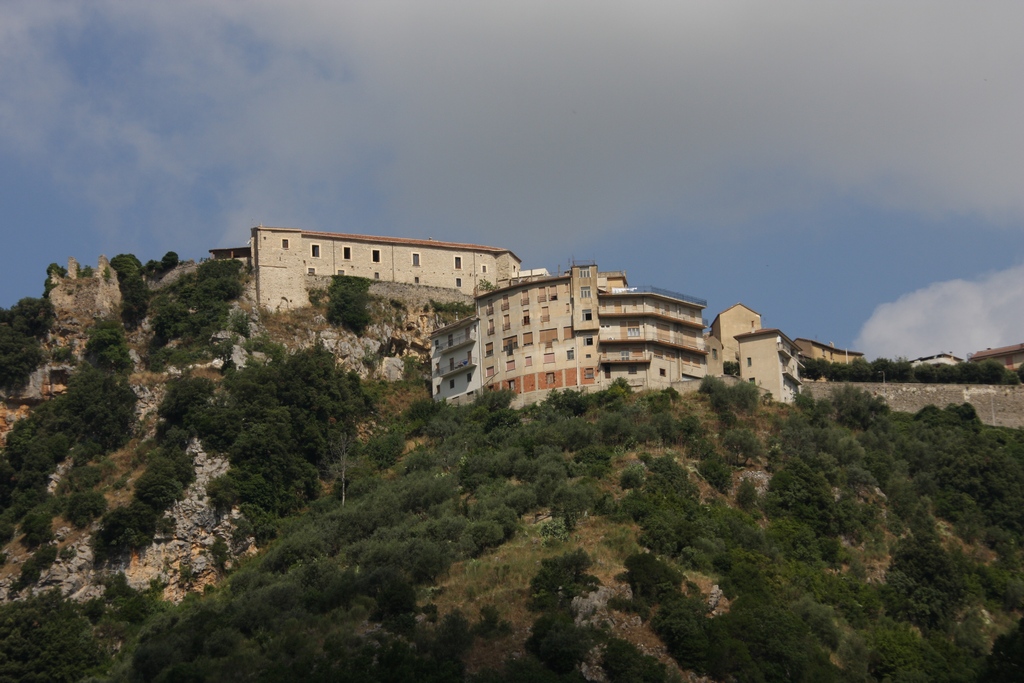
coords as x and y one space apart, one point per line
469 377
624 354
458 263
510 364
632 369
509 344
416 280
751 380
458 282
376 276
570 354
511 385
588 314
376 255
490 307
524 299
346 252
451 338
548 336
526 318
588 373
549 378
527 338
489 372
284 244
545 314
437 343
549 357
483 269
415 259
506 323
489 349
748 361
315 251
490 326
341 271
529 361
714 354
661 371
451 384
584 272
312 271
633 331
588 341
584 292
567 332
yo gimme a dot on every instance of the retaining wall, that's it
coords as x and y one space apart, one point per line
997 405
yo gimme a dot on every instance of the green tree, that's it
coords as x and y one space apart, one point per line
349 300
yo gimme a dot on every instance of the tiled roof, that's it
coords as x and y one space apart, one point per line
1001 351
395 240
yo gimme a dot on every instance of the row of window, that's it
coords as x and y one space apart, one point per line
375 255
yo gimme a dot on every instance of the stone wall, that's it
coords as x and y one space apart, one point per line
997 405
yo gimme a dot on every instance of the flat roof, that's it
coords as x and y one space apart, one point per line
830 347
407 241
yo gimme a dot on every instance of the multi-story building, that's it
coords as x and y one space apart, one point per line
815 350
1012 357
284 258
582 329
770 359
454 359
735 320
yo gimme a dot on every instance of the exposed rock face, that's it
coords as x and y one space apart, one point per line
592 609
182 561
43 384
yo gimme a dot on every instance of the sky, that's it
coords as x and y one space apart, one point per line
852 171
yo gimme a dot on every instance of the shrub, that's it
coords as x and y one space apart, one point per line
651 578
716 472
349 300
108 347
84 506
558 642
37 528
560 579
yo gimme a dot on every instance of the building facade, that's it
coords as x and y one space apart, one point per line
735 320
581 330
770 359
815 350
284 258
1012 357
455 359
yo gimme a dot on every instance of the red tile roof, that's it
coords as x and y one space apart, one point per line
395 240
995 353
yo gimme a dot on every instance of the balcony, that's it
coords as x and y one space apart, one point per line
617 358
667 293
650 312
693 346
464 364
460 340
504 305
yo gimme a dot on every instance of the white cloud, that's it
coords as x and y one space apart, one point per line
553 120
959 315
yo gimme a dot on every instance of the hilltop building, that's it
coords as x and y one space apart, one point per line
582 330
770 359
937 359
765 357
284 258
815 350
1012 357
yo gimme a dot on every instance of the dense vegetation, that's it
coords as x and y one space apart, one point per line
22 328
802 564
403 539
985 372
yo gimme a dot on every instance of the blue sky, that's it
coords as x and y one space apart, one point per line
853 171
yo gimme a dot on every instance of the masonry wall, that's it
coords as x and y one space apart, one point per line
997 405
282 271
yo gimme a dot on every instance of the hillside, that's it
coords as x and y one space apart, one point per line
220 494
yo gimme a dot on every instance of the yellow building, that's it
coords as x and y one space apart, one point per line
1012 357
769 359
735 320
815 350
285 258
582 330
